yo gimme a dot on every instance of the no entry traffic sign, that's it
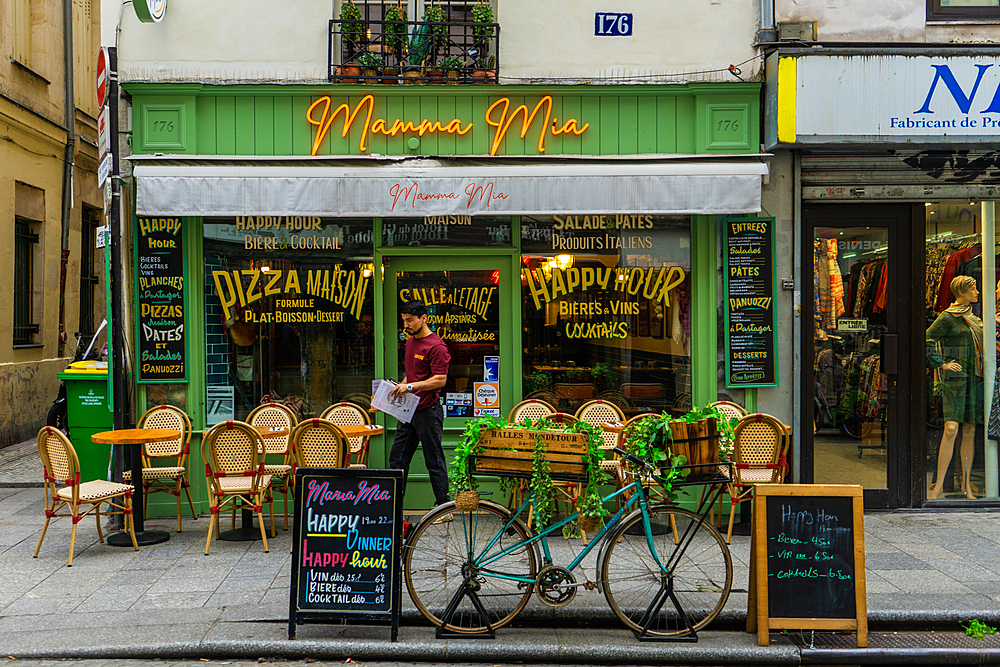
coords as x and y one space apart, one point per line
102 77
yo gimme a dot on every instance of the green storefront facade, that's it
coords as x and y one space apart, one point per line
571 231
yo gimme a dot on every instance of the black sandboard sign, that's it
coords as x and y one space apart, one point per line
750 279
346 545
159 293
807 568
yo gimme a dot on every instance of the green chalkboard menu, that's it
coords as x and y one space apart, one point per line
346 546
807 559
751 355
159 289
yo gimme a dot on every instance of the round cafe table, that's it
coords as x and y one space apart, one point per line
135 438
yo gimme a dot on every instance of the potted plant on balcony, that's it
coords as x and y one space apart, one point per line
452 66
437 38
352 30
394 34
371 65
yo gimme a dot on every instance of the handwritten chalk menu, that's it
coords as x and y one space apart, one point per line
751 356
162 348
807 559
346 546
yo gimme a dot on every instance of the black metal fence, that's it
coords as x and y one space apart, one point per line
394 52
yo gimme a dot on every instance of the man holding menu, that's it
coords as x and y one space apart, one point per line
426 367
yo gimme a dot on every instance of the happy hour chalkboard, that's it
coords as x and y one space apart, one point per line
346 546
751 356
162 350
807 561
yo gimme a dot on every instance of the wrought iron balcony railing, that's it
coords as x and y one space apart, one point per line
390 52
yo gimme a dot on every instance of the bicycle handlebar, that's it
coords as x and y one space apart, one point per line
633 459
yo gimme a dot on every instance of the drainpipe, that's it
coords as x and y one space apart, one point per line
767 32
68 156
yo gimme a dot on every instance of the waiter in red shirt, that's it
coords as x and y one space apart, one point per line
426 367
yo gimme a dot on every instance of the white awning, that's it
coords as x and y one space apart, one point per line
438 187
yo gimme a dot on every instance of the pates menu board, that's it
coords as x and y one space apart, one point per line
347 538
751 355
162 348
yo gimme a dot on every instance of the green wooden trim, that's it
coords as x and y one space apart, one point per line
750 399
196 326
704 304
268 119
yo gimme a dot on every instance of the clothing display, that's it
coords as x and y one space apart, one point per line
957 336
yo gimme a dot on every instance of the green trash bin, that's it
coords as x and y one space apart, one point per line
87 413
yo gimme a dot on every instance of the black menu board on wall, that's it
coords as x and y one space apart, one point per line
159 289
751 353
346 546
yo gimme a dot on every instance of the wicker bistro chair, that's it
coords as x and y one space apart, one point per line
171 478
276 416
234 468
351 414
61 465
531 408
320 444
758 457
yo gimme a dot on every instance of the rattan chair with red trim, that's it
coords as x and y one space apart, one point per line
61 466
530 408
351 414
276 416
320 444
170 479
758 458
234 470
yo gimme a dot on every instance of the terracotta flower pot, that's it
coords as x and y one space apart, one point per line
349 73
436 76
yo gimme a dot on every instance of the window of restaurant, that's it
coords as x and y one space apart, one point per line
962 412
289 313
606 308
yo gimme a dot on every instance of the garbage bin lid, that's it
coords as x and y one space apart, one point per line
88 367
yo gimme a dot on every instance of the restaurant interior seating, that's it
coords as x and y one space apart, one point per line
61 466
234 468
275 416
351 414
173 477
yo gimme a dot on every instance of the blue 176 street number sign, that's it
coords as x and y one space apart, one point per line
612 24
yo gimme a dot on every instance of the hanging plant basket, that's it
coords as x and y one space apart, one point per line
467 501
588 524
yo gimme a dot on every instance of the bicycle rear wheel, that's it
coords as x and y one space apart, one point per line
698 568
441 555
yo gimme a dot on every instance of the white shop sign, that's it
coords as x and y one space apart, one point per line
884 98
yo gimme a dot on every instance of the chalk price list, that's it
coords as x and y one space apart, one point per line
811 546
345 562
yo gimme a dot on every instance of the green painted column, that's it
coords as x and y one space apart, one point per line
704 310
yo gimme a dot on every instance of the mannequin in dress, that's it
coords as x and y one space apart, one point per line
955 351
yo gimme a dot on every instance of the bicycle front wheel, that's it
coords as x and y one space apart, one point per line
450 548
696 568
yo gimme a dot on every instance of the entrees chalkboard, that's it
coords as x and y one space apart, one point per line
751 355
161 342
807 559
346 545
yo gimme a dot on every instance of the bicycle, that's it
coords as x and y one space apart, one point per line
666 572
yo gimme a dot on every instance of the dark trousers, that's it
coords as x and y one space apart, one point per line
426 428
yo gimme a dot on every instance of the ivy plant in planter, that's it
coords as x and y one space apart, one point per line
352 27
394 35
482 13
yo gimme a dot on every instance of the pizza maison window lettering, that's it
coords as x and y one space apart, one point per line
540 118
345 288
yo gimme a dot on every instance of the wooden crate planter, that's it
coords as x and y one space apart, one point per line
508 452
698 442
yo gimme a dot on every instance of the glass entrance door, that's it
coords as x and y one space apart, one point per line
851 310
468 306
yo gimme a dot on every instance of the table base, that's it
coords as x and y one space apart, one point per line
245 533
145 538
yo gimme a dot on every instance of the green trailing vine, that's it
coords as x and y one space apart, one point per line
482 13
394 34
435 14
541 484
352 26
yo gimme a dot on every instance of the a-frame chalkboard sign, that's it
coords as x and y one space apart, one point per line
346 544
807 560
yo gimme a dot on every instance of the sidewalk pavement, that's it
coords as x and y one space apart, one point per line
924 571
